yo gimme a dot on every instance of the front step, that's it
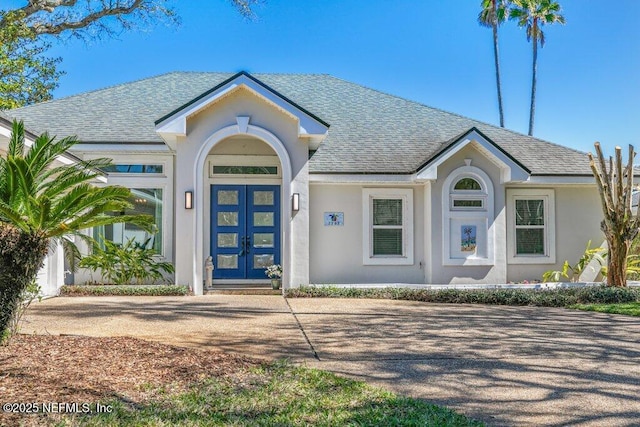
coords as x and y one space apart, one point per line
241 290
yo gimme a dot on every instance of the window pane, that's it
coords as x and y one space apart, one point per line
227 197
530 241
146 201
387 211
227 262
467 184
263 219
227 219
262 261
457 203
133 169
227 240
529 212
387 241
263 240
263 198
246 170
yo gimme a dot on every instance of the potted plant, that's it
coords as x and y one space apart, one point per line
274 272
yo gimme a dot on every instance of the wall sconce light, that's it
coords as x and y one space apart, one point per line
295 202
188 199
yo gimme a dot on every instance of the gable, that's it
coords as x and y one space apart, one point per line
175 123
510 168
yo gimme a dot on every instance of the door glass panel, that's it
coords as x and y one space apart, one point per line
227 240
226 262
262 261
228 218
263 198
263 219
262 240
227 197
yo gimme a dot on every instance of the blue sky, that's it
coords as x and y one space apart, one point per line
429 51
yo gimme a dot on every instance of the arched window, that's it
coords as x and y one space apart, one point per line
468 217
467 184
467 193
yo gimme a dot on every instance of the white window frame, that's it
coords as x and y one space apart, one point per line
147 181
242 160
481 217
404 194
548 198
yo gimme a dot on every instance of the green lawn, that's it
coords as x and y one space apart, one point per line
279 395
630 308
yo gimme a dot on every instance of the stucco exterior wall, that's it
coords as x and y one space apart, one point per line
200 128
440 273
577 219
336 252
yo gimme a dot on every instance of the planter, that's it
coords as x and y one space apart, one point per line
276 283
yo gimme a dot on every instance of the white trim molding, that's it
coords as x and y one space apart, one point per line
176 124
199 181
548 198
509 169
404 194
481 218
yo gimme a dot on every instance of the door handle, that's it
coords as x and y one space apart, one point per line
248 244
241 253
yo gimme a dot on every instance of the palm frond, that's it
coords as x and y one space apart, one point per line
16 143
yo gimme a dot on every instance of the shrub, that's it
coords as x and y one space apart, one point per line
156 291
21 256
560 297
122 264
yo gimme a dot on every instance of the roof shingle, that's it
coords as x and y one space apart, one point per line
370 131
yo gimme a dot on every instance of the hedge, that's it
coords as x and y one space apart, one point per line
560 297
124 290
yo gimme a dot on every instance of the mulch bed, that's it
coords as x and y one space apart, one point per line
89 370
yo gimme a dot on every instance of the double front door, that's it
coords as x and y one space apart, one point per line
245 230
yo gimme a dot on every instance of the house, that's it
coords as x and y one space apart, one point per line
52 275
337 182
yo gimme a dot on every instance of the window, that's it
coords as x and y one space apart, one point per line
387 226
467 194
530 229
134 168
468 233
531 224
245 170
147 201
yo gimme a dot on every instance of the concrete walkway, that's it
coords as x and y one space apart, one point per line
504 365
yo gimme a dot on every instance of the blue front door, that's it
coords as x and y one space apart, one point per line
245 230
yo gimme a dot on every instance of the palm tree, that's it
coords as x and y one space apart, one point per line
42 203
494 13
533 15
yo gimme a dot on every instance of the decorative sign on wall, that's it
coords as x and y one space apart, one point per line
468 238
333 219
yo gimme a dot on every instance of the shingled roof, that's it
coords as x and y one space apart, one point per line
370 131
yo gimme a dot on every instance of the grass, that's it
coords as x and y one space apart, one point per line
279 394
630 309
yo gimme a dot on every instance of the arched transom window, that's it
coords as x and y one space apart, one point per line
468 193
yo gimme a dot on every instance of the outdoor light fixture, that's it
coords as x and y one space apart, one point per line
188 199
295 202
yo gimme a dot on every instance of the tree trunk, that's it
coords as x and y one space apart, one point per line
617 259
497 63
532 110
21 257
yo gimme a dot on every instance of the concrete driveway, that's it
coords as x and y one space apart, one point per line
503 365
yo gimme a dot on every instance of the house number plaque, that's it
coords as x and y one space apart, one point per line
332 219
